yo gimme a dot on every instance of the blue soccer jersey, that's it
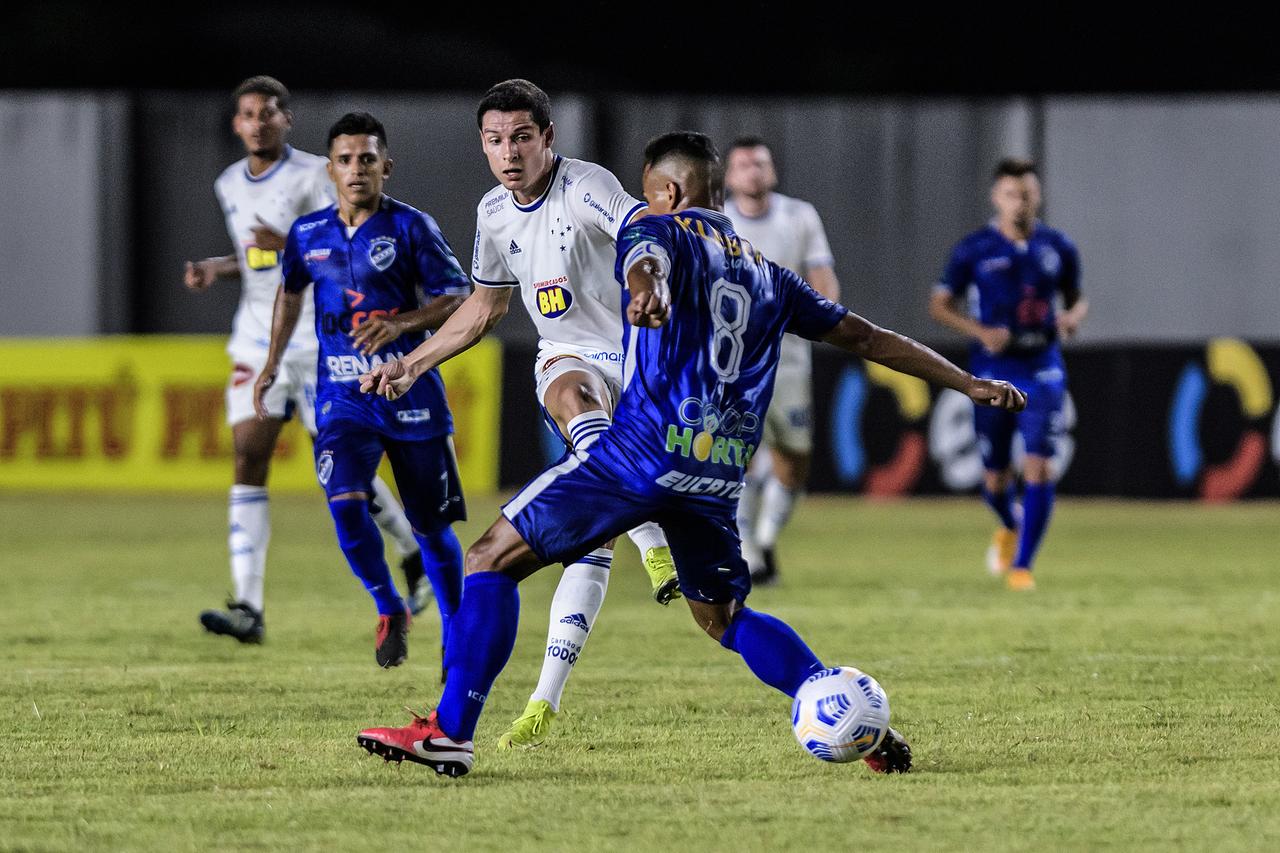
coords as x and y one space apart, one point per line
385 267
1014 285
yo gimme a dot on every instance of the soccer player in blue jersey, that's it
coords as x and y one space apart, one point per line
1012 272
371 256
707 314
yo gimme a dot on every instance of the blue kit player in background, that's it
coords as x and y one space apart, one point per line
371 256
1012 272
707 314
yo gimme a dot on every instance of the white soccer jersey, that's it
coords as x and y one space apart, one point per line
560 251
790 234
295 185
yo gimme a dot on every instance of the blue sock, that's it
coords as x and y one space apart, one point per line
1037 506
772 650
361 542
1002 505
442 563
481 637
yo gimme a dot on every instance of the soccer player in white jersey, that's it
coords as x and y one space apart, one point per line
550 229
261 195
788 232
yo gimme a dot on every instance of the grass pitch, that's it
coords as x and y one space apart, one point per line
1130 702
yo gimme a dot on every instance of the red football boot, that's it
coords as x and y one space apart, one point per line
424 742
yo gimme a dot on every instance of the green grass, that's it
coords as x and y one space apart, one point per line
1130 702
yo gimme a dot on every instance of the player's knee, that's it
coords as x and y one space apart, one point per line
573 394
480 557
1037 469
252 467
349 496
997 481
713 619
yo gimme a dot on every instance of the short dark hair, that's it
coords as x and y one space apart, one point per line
1015 167
358 124
512 96
262 85
748 142
693 147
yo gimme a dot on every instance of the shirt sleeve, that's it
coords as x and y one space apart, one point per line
817 251
811 315
649 237
597 200
438 268
488 264
1069 278
958 273
293 267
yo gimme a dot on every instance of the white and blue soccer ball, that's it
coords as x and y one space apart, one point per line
840 714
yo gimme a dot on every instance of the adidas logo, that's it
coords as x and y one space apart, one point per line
578 621
514 249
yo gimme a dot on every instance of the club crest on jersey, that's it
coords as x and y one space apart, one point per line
1049 261
382 253
554 297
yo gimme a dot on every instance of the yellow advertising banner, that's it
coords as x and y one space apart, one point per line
147 413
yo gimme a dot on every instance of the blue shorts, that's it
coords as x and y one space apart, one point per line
584 500
1045 383
426 471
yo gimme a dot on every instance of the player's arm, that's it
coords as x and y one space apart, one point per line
376 333
819 263
1075 306
284 319
823 279
647 268
199 275
472 320
946 308
869 341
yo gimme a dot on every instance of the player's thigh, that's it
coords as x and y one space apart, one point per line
347 457
426 474
568 385
994 430
574 507
707 553
1040 423
502 549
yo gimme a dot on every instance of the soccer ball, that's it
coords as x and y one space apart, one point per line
840 714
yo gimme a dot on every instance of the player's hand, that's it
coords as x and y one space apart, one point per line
265 380
198 275
266 237
995 339
647 310
998 394
375 333
391 380
1068 325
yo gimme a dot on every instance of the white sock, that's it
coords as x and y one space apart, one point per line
391 519
648 535
586 427
250 524
776 504
573 613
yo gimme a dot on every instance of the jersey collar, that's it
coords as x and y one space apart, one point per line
716 218
275 167
537 203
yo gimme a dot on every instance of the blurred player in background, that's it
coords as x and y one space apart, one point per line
1012 273
788 232
708 313
261 196
549 230
370 255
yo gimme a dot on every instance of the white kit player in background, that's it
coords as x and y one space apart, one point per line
261 195
788 232
550 229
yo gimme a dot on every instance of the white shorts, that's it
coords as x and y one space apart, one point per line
567 361
788 424
292 394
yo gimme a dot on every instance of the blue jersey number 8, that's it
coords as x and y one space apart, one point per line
730 307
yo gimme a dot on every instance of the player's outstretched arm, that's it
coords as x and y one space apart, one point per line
377 332
865 339
198 275
284 319
472 320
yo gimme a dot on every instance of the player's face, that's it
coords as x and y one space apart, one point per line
1017 200
358 167
518 151
261 125
750 172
